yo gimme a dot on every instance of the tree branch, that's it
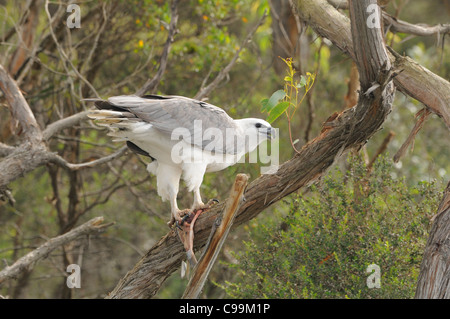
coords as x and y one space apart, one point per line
380 150
56 159
64 123
422 116
24 159
93 226
19 108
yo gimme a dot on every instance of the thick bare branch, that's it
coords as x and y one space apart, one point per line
24 159
29 260
397 25
19 108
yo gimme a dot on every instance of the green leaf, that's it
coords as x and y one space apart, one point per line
277 111
264 107
288 78
302 82
276 96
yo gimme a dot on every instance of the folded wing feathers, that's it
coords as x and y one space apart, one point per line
164 114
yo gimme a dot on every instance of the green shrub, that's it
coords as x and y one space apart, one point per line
323 246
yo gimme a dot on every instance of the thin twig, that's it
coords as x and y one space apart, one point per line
64 123
422 116
56 159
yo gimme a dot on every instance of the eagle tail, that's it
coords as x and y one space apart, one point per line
112 119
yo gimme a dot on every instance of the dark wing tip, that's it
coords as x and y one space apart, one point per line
138 150
155 97
105 105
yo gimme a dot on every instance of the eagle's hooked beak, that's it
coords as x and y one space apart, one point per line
271 133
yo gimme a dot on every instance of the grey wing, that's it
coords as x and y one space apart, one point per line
209 127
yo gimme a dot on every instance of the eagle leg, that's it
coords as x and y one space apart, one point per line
208 205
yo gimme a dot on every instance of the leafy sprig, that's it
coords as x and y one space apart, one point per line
289 98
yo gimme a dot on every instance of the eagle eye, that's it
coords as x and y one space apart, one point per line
258 125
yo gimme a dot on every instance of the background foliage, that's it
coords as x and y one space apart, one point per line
117 48
322 247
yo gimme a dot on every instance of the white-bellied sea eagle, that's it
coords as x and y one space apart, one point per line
184 137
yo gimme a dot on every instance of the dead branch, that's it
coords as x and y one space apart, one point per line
215 242
94 226
64 123
339 4
24 159
34 153
30 154
152 84
56 159
422 116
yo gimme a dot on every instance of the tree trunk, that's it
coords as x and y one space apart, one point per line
434 277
